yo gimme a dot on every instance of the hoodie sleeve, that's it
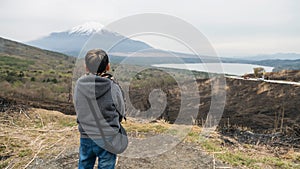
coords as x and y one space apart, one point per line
119 100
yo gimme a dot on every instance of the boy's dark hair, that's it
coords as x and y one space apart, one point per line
96 61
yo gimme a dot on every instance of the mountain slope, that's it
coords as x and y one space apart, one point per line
280 61
72 41
23 51
280 64
34 76
281 56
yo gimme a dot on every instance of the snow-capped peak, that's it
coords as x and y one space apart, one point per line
86 28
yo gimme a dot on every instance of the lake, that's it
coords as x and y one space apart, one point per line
226 68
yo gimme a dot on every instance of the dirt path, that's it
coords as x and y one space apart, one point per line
184 155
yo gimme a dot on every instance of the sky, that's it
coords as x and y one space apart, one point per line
233 27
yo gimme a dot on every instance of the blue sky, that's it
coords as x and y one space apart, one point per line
234 27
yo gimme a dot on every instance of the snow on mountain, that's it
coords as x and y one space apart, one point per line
72 41
86 28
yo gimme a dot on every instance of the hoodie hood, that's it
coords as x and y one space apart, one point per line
93 86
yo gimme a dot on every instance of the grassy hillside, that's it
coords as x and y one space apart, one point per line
28 73
43 78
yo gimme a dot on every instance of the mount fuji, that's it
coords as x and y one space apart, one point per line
71 41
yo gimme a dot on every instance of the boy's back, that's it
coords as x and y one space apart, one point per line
98 90
107 97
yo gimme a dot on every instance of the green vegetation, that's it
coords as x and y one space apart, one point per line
25 152
65 122
13 63
31 73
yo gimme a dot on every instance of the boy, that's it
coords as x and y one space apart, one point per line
97 88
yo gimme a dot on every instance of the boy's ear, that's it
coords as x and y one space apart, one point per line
107 67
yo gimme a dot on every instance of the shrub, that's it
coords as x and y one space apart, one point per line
54 80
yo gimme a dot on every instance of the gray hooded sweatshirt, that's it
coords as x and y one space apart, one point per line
107 100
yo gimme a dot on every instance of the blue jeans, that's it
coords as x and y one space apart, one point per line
88 152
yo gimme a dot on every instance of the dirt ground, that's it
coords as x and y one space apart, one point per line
182 156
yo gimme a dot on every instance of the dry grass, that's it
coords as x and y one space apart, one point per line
244 155
133 127
36 134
